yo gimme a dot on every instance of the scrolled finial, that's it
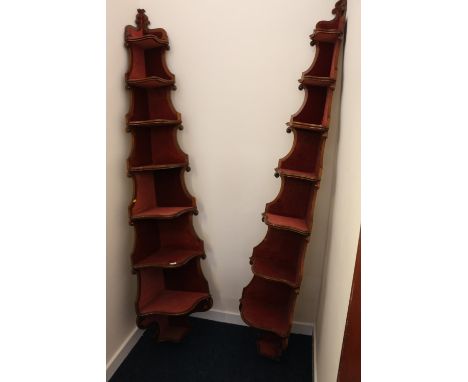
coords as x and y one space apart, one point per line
141 19
340 8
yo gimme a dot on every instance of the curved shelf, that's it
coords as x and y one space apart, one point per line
173 302
309 176
155 122
265 316
276 270
268 305
160 195
155 148
326 35
172 291
150 82
307 126
157 167
304 159
148 68
322 66
292 208
152 106
317 81
168 258
315 108
146 42
165 243
286 222
163 212
280 257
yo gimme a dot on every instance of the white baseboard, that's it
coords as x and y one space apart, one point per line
220 316
235 318
122 352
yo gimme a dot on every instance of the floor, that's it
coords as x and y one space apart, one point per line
214 352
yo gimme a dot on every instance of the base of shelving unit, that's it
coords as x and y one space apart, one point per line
172 329
168 328
271 346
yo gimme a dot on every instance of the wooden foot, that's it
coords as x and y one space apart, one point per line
271 346
168 328
172 329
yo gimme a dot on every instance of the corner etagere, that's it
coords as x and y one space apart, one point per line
267 302
167 251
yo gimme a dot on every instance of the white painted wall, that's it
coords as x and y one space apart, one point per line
236 66
120 284
346 211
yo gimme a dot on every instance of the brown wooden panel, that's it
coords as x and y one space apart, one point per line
350 361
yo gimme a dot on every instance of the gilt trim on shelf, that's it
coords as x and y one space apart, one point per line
167 250
267 302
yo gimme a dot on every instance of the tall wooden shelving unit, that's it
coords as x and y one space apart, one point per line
167 251
268 301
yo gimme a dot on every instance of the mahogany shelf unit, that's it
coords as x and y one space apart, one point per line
167 251
267 302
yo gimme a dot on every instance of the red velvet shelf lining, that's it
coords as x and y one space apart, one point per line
304 158
162 212
162 242
161 194
313 109
156 147
276 270
149 69
168 257
322 65
266 316
268 305
173 302
290 209
152 106
171 291
287 222
280 257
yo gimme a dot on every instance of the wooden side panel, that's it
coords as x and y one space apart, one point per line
350 361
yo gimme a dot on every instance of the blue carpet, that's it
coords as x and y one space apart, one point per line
214 352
